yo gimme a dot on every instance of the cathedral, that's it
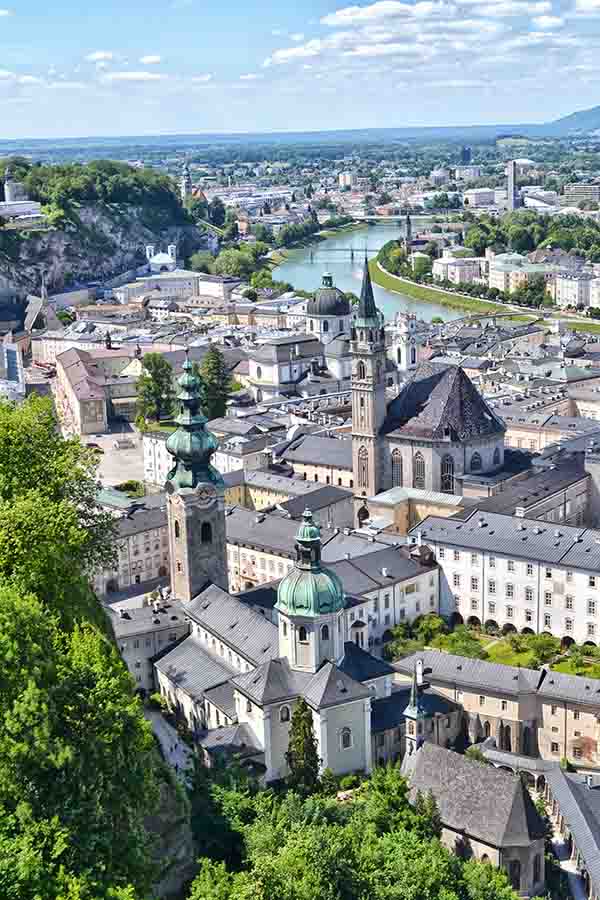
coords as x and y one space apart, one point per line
437 430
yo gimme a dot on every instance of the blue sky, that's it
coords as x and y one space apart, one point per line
196 66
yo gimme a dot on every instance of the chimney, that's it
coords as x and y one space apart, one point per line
419 670
384 572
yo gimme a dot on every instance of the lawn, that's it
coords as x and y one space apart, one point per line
588 670
502 652
442 298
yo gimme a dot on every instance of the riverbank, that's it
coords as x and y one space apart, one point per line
341 229
459 302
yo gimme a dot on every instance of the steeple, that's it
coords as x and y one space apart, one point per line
192 446
414 715
408 233
367 310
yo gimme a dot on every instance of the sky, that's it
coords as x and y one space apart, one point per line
124 67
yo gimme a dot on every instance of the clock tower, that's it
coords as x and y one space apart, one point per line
195 498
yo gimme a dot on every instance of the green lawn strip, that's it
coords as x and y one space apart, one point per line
503 653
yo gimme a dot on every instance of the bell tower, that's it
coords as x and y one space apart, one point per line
368 395
195 498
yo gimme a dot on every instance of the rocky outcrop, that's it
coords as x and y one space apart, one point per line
99 243
175 853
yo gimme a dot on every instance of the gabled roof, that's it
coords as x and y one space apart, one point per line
272 682
362 666
477 800
330 686
191 668
441 402
580 807
474 673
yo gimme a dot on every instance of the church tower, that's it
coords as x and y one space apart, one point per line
186 184
310 605
195 498
415 714
368 396
408 234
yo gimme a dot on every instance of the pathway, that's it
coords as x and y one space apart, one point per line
174 749
561 852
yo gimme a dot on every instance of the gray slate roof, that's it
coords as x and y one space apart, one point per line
231 739
323 451
330 686
239 627
580 807
272 682
441 402
191 668
222 697
362 666
479 801
473 673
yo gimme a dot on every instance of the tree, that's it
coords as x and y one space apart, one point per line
216 380
302 755
53 533
216 212
234 262
202 261
429 627
155 392
198 209
462 643
475 753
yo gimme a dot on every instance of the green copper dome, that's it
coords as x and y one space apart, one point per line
309 589
192 446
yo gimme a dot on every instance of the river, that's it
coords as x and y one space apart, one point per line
304 267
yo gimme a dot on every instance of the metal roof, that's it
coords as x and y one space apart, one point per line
190 667
473 673
580 807
320 451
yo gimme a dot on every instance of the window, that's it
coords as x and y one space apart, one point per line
496 457
492 609
492 562
510 612
577 734
456 580
591 629
577 752
325 632
456 555
510 565
548 598
481 700
441 553
569 576
592 581
474 605
363 467
576 715
529 569
528 615
418 471
491 586
510 590
346 738
361 371
568 624
591 607
554 747
554 729
386 601
447 475
258 372
474 559
396 468
474 584
504 705
248 706
177 531
547 621
529 595
206 533
553 710
569 602
284 714
302 635
475 462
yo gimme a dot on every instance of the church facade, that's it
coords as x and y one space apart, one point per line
437 430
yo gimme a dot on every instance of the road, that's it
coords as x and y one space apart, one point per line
174 749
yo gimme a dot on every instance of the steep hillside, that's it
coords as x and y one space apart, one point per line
101 217
584 120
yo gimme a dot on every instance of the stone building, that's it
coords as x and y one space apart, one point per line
486 814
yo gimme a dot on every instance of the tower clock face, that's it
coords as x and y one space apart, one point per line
206 495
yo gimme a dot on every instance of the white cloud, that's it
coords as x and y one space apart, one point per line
279 57
587 6
133 76
30 79
67 85
100 56
202 78
457 83
5 75
150 60
251 76
386 50
5 12
506 8
297 36
383 9
547 23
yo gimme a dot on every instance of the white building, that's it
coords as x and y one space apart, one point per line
518 574
346 179
465 173
478 197
459 270
161 262
573 288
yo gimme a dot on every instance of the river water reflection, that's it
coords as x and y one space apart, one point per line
304 267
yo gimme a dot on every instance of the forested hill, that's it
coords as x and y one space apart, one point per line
101 216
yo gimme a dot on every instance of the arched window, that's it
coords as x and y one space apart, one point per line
312 325
378 372
177 531
258 372
346 738
302 635
341 325
396 468
361 371
537 867
259 395
325 633
475 462
399 354
447 479
419 471
496 457
248 706
413 356
206 533
363 467
325 325
284 714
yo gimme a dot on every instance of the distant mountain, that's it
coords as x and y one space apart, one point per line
583 121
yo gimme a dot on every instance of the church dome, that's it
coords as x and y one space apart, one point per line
309 589
328 300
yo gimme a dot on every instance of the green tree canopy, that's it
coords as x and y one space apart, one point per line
155 390
216 379
302 755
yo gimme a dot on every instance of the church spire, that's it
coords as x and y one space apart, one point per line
192 446
366 303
